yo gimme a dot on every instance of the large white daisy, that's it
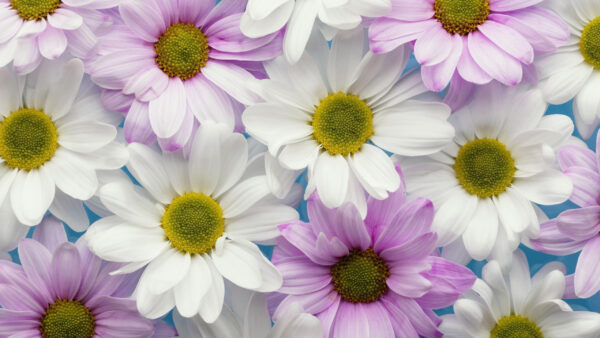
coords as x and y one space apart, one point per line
337 111
513 304
500 161
264 17
54 137
573 71
194 224
247 316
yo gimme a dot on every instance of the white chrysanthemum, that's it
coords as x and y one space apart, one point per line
54 137
192 225
332 111
514 305
501 160
247 316
263 17
573 71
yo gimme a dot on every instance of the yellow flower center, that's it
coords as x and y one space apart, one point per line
461 16
514 326
35 9
193 222
342 123
589 45
182 51
67 319
360 276
484 167
28 139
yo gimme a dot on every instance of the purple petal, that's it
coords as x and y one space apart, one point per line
576 156
459 92
411 220
387 34
115 100
301 276
545 22
511 5
587 271
50 232
437 77
322 218
66 271
449 281
350 321
225 35
408 285
537 39
433 46
123 324
301 236
551 240
52 43
137 124
13 322
35 259
12 297
311 303
509 40
328 316
585 186
580 224
380 323
352 230
493 60
411 11
418 319
411 250
469 69
143 19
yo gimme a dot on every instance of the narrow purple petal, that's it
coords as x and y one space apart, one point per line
66 271
50 232
587 271
580 224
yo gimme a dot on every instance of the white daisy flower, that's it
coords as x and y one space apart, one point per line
194 224
501 160
332 111
248 317
573 71
514 305
54 137
264 17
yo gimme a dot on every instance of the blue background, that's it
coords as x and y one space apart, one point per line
536 259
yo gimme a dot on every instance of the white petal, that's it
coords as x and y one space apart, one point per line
234 157
84 136
260 223
166 271
31 195
63 92
212 303
480 236
375 169
167 112
70 211
205 159
331 179
298 29
123 200
72 176
146 166
238 265
192 288
547 188
243 196
297 156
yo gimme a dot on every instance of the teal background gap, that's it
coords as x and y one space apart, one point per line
536 259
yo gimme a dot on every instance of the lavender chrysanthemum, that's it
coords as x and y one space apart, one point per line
63 290
173 64
373 278
476 40
578 229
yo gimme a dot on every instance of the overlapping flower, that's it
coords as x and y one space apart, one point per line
188 132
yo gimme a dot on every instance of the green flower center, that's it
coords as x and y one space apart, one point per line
193 222
182 51
342 123
589 45
360 276
35 9
514 326
484 167
67 319
28 139
461 16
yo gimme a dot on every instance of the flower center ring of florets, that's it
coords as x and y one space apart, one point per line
35 9
360 277
461 16
515 326
484 167
193 222
342 123
589 44
182 51
67 319
28 139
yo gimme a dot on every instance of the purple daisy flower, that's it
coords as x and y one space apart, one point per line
476 40
578 229
174 63
32 30
375 278
63 290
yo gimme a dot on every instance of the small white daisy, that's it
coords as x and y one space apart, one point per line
54 137
263 17
194 224
514 304
501 160
573 71
334 109
247 316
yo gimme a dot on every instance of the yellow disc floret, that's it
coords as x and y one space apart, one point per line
484 167
193 222
28 139
342 123
67 319
589 45
515 326
182 51
35 9
360 277
461 16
